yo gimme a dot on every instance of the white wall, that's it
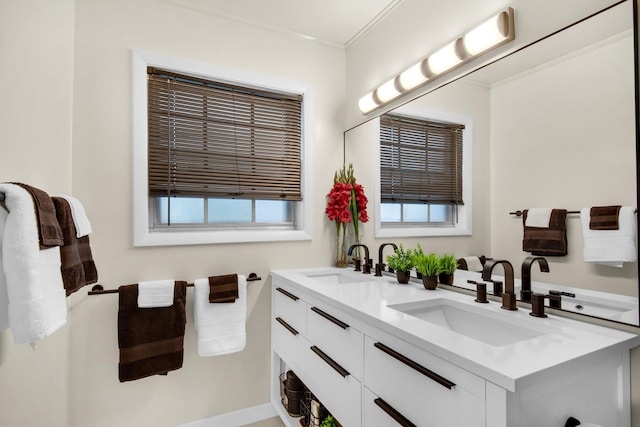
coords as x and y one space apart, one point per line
36 75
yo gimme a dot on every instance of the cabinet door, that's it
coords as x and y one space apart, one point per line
427 390
288 343
329 329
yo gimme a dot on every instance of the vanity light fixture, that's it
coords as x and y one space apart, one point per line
494 32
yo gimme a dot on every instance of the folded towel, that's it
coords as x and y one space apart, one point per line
150 340
80 218
49 231
551 241
470 263
36 296
156 293
610 247
538 217
223 288
78 268
604 217
220 327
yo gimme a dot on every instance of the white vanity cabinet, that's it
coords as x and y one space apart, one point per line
372 365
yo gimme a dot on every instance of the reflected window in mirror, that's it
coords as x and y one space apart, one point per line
421 172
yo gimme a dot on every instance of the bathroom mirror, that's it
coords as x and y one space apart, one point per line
554 125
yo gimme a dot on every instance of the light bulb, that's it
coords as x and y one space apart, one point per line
387 91
412 77
487 34
444 59
367 103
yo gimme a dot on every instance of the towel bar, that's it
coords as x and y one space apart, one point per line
520 213
99 289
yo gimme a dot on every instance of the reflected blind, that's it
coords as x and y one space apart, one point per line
420 161
212 139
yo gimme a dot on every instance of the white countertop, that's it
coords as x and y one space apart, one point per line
508 366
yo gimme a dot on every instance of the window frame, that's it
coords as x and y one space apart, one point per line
144 234
464 225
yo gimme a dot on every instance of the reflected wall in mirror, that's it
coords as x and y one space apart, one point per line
554 125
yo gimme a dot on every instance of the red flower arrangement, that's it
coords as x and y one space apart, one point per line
347 204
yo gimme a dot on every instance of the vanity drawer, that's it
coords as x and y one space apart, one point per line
290 307
329 329
334 386
288 343
378 413
424 388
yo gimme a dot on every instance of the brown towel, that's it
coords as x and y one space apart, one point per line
49 230
550 241
223 288
604 217
78 268
151 340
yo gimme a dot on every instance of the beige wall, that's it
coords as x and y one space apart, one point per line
72 380
36 75
575 150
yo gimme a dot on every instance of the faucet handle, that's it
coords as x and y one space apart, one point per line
481 291
509 301
537 303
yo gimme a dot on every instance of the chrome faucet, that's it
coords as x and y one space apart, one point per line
509 294
366 267
381 264
525 291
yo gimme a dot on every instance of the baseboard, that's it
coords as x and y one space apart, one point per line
237 418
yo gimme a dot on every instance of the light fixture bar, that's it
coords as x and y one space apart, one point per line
494 32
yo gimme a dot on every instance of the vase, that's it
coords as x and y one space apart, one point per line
430 282
403 277
445 279
340 252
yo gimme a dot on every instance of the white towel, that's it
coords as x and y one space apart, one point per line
220 326
36 297
473 263
80 218
538 217
4 298
155 293
610 247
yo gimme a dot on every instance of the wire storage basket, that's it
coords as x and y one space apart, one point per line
292 392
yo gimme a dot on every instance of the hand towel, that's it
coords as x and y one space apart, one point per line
470 263
551 241
80 218
223 289
220 327
150 340
37 301
538 217
610 247
78 268
49 232
604 217
155 293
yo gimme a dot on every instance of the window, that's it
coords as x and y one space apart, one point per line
223 160
421 177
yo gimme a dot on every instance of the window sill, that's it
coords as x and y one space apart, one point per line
174 238
422 231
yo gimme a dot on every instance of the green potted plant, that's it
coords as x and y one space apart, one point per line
402 262
448 266
429 267
417 254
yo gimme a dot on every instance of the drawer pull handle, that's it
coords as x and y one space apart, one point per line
287 326
289 294
330 318
339 369
410 363
393 413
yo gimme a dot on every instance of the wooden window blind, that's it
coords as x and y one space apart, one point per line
420 161
212 139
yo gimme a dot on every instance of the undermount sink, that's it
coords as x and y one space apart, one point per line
337 278
472 322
